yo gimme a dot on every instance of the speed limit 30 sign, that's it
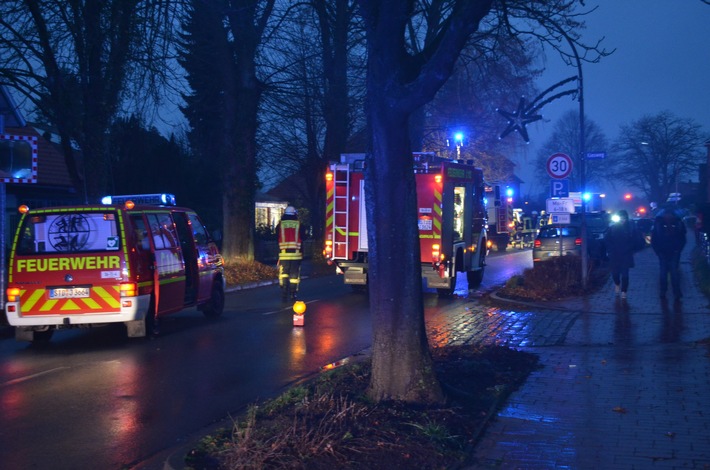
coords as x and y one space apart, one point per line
559 165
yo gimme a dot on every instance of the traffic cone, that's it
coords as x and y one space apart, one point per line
299 308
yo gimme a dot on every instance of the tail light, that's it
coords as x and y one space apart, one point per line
13 294
435 252
328 250
577 242
129 289
537 244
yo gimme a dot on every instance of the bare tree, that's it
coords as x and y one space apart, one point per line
312 100
235 86
398 83
654 153
565 139
73 60
400 80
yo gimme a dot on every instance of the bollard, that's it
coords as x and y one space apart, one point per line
299 308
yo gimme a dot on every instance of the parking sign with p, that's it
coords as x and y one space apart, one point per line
559 188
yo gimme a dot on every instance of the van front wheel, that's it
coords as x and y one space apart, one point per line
215 306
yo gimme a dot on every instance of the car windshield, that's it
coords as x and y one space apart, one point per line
557 231
596 222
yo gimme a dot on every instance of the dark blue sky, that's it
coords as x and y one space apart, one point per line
661 62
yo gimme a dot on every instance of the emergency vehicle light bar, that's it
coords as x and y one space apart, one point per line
161 199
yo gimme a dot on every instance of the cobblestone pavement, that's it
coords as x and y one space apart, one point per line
624 384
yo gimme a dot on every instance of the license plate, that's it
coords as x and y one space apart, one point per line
68 292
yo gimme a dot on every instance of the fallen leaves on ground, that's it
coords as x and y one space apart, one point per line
330 423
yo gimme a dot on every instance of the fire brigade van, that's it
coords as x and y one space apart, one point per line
451 217
130 260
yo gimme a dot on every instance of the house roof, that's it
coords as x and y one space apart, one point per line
268 198
51 168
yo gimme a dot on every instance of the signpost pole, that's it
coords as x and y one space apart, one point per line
3 214
583 165
3 269
582 162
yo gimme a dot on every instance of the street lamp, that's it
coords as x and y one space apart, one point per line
582 159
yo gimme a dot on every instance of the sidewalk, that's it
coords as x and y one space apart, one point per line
626 386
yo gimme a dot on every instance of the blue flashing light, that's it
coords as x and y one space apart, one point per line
161 199
587 196
509 192
458 136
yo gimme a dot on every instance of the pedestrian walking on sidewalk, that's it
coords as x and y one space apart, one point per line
622 240
668 240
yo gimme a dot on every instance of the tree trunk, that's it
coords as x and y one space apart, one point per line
397 85
240 176
402 367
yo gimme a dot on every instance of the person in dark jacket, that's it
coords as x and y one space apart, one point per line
668 240
621 240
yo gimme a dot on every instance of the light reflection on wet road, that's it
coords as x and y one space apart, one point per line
96 397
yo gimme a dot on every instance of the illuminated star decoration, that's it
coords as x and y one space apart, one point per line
517 120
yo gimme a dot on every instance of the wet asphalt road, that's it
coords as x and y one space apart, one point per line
95 397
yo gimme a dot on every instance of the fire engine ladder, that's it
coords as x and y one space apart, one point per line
341 214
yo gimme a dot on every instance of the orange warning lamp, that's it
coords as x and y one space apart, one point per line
299 309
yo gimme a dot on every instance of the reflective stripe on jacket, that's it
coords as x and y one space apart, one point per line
290 240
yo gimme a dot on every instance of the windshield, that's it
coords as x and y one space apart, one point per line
68 232
557 231
596 222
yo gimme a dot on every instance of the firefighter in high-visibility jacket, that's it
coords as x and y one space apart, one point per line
290 253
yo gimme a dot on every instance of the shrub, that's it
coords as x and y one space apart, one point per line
554 279
265 232
241 271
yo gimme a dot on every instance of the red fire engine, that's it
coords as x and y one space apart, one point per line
501 223
451 217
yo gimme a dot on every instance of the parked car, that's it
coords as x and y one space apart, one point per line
645 226
557 240
597 223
